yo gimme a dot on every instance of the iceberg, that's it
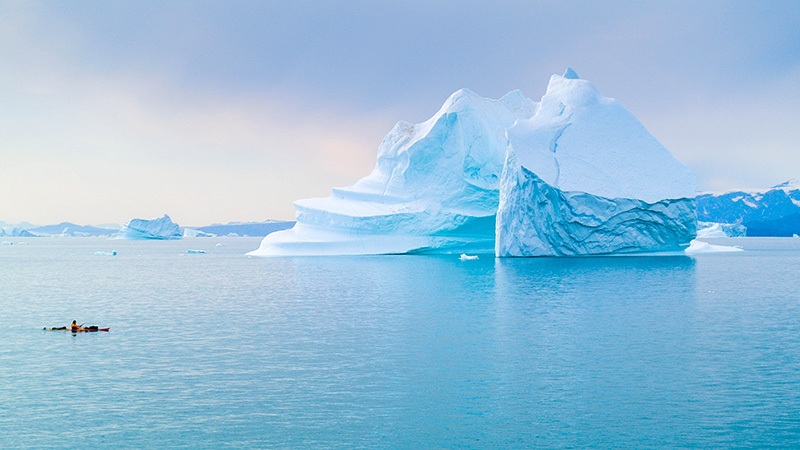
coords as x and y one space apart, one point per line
191 232
574 174
158 228
707 230
704 247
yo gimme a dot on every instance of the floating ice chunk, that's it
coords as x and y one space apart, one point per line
221 244
466 257
704 247
102 253
195 252
6 243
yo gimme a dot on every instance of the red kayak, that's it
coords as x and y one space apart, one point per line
79 330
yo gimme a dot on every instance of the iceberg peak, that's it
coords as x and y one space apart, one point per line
793 184
571 74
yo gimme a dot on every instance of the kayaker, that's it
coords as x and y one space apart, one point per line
75 326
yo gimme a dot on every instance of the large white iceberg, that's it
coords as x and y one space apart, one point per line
157 228
573 174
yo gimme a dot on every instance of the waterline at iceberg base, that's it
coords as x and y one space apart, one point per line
573 174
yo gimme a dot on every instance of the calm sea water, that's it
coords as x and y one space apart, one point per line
223 350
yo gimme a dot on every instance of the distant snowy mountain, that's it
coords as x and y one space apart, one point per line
255 229
70 229
773 212
144 229
15 230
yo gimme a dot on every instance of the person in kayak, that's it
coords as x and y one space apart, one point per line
75 326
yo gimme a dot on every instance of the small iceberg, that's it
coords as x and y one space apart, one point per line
221 244
7 243
704 247
195 252
466 257
102 253
191 232
158 228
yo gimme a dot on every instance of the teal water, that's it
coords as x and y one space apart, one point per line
223 350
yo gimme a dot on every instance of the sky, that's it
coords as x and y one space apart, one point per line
215 111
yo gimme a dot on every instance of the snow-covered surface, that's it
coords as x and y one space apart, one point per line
704 247
436 186
157 228
581 141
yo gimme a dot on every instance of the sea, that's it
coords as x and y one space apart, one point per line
210 348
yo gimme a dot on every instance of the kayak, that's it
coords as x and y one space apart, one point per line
79 330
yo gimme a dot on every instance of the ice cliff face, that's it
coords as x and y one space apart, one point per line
158 228
574 174
584 177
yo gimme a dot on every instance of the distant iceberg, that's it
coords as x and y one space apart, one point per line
191 232
707 230
158 228
574 174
